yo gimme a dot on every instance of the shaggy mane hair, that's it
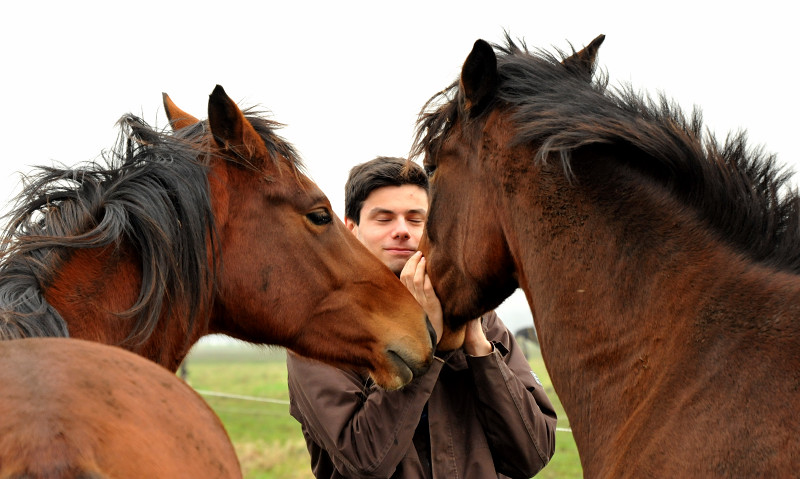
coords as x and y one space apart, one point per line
739 191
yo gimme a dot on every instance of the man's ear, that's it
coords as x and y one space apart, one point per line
351 225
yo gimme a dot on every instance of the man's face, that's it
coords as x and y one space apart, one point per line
391 223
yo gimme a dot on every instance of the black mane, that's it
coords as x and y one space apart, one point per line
151 193
738 190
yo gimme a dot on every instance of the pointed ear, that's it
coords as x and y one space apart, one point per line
479 78
177 118
582 63
233 132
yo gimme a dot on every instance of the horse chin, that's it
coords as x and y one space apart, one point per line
395 376
399 370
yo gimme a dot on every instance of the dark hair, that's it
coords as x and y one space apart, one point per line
739 190
377 173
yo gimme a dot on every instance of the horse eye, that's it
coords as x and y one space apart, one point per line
429 169
320 217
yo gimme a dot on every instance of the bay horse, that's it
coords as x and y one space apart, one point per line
660 264
79 409
213 228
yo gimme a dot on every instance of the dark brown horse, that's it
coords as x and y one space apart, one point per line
661 266
212 229
77 409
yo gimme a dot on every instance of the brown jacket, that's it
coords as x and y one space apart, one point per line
487 417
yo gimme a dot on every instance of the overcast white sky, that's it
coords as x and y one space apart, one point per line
348 78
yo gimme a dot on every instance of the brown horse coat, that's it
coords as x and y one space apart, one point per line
77 409
661 267
212 228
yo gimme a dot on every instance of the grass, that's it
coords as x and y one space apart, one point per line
268 440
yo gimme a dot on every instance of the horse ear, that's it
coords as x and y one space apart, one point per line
177 118
232 131
582 63
479 78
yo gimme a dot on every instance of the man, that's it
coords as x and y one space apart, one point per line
478 412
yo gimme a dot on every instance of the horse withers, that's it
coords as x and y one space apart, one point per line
661 266
213 228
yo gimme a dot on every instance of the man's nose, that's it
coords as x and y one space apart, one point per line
401 230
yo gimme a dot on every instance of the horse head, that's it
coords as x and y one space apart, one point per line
290 273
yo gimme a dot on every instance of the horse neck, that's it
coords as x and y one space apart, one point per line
615 288
93 288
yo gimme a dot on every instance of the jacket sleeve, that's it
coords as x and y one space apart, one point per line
517 417
365 431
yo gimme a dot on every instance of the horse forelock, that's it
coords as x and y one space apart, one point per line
524 75
739 191
148 191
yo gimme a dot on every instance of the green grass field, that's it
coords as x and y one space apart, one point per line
268 440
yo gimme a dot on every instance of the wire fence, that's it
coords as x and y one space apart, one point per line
284 402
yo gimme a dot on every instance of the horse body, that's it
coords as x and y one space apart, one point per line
671 362
212 228
80 409
672 347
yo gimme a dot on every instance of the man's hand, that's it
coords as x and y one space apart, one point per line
475 342
417 281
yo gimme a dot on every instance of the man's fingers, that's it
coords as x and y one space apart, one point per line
428 285
409 270
419 275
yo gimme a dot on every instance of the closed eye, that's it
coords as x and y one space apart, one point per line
320 217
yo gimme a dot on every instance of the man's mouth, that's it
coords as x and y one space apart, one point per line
400 251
